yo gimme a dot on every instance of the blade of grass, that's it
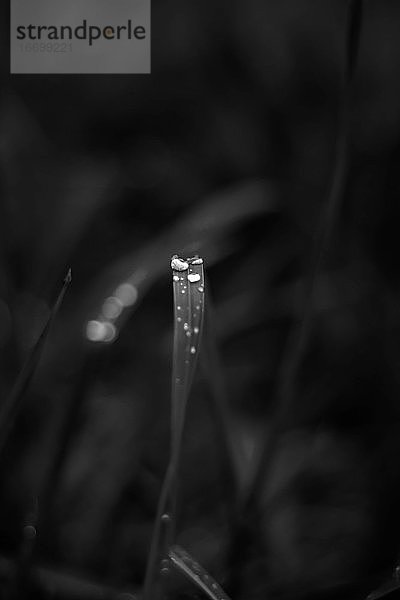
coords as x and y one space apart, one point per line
12 405
298 340
192 570
188 290
300 335
391 588
55 583
39 524
213 220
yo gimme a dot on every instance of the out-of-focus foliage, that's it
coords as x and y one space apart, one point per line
227 148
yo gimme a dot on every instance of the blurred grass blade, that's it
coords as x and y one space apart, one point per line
390 590
286 387
12 404
201 229
185 564
188 289
232 452
354 30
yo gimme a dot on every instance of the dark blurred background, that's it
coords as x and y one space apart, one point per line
226 149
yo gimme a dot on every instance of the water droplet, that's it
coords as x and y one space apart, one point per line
127 294
99 331
183 292
165 518
193 277
188 334
175 278
196 567
197 306
192 350
178 308
112 307
196 330
165 564
186 326
111 332
95 331
200 288
179 319
178 264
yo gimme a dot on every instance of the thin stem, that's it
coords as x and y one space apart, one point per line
297 343
12 405
296 346
188 287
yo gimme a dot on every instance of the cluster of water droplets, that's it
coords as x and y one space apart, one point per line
180 266
103 328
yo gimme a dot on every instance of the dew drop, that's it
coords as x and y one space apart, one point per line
164 570
186 326
99 331
178 308
95 331
179 319
165 518
183 292
126 293
197 306
175 278
200 288
192 350
188 334
112 307
111 332
196 330
177 264
194 277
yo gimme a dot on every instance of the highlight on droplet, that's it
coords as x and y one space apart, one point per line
193 277
177 264
127 293
112 307
99 331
